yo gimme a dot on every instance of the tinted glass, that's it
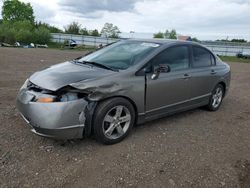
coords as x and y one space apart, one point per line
202 58
212 59
176 57
121 55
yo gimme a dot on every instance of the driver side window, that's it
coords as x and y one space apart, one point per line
176 57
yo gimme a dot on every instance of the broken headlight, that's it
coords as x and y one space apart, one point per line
63 95
69 97
62 98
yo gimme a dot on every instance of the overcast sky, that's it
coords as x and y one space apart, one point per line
204 19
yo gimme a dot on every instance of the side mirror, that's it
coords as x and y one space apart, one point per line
162 68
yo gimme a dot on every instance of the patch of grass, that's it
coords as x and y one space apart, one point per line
87 48
234 59
54 45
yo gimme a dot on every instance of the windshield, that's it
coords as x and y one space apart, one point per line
121 55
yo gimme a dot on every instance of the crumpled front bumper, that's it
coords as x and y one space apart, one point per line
58 120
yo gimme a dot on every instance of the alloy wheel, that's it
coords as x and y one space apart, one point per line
116 122
217 97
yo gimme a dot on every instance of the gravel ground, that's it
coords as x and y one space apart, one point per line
191 149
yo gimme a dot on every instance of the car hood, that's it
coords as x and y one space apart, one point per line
63 74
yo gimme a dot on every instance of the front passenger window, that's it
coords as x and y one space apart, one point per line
176 57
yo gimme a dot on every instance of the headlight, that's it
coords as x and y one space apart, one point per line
45 99
69 97
63 98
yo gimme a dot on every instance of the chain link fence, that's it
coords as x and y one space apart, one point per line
219 48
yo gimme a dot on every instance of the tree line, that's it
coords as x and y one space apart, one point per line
233 40
18 24
109 30
167 35
171 34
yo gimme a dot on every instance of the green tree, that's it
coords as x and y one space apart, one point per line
18 24
239 40
110 31
24 36
21 25
195 39
51 29
95 33
41 35
167 34
159 35
23 32
84 31
14 10
73 28
170 34
7 34
173 34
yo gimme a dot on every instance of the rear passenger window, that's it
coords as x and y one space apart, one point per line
176 57
202 57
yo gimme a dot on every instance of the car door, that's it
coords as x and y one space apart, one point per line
203 73
170 90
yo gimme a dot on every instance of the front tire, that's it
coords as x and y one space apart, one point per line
113 120
216 98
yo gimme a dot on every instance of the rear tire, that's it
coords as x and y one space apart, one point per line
113 120
216 98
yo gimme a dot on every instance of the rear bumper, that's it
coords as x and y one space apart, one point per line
58 120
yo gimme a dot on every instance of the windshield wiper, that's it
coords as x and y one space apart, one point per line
95 64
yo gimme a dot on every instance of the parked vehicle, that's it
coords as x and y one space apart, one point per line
243 55
129 82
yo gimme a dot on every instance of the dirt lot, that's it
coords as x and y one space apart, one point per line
191 149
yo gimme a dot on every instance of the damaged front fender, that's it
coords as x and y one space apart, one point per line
101 89
125 85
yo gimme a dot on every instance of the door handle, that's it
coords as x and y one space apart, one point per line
186 76
213 72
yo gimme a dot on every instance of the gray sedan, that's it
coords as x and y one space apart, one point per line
129 82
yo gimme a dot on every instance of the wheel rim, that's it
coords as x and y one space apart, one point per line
217 97
116 122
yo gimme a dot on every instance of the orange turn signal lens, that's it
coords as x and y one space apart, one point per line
45 100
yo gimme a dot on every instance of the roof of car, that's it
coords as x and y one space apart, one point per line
169 42
163 41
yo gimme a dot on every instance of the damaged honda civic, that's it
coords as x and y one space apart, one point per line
107 92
